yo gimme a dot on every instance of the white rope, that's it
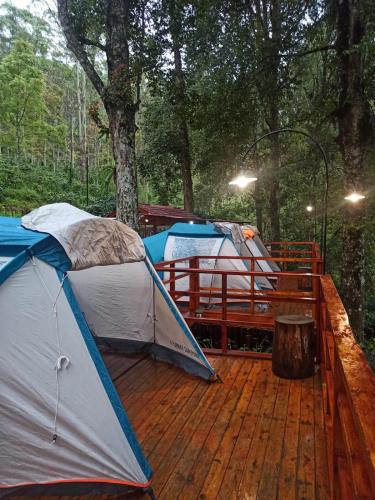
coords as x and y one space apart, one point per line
62 360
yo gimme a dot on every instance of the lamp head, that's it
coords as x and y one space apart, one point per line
242 181
355 197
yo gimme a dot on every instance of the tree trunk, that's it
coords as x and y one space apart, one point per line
274 121
274 186
258 207
258 194
183 131
117 95
122 131
71 156
82 139
353 120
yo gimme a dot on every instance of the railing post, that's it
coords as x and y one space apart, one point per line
224 282
252 286
193 286
224 328
285 255
319 326
172 283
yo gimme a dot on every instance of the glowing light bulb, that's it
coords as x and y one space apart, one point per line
355 197
309 208
242 181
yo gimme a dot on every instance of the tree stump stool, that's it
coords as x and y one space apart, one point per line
293 347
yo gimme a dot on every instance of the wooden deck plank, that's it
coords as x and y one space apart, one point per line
288 469
191 436
254 462
150 391
272 462
131 380
212 485
182 471
118 363
192 470
131 383
161 435
162 403
322 489
236 465
306 451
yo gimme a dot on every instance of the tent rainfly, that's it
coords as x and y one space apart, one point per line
256 248
67 277
249 244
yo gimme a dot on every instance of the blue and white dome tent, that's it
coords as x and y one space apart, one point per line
213 240
67 277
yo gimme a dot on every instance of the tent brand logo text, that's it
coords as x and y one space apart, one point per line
183 348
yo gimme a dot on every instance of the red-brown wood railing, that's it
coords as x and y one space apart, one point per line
349 400
283 247
192 299
288 249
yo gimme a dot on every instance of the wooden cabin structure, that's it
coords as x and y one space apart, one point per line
256 435
154 218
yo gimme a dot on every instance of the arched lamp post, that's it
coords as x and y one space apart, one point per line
326 170
242 181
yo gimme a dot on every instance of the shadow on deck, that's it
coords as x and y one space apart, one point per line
254 436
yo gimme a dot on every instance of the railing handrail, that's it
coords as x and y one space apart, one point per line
239 257
353 378
235 272
310 243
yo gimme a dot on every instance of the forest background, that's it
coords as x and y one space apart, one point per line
209 78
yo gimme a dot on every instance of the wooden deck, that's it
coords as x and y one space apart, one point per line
254 436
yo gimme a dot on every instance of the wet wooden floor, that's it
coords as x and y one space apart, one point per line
254 436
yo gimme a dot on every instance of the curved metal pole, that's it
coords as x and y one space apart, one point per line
325 199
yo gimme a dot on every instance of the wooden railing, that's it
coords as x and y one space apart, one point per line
349 398
287 248
253 305
293 249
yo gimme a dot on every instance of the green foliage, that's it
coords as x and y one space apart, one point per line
24 188
21 98
21 24
368 345
102 207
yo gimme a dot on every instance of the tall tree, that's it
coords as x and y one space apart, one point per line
354 124
82 123
175 9
272 104
114 27
20 24
21 98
